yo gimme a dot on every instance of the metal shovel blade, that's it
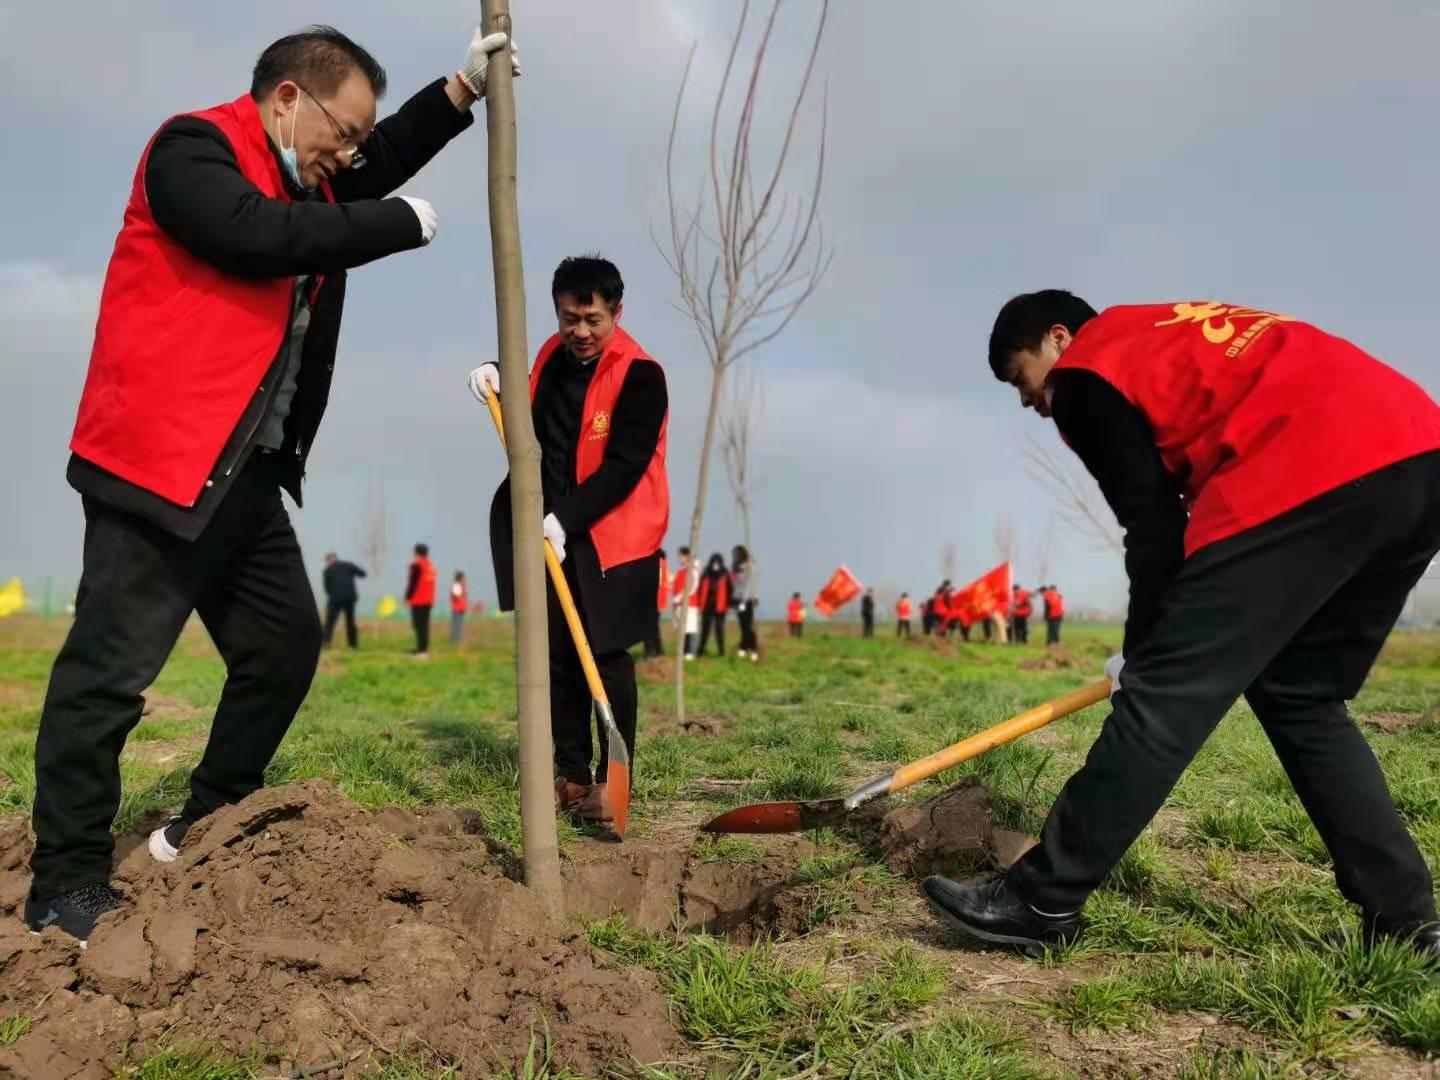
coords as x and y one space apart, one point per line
778 817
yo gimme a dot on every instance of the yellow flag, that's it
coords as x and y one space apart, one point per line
386 607
12 597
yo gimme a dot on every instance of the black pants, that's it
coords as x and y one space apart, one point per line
746 614
420 619
572 719
654 643
245 577
712 620
1052 630
1291 614
867 626
902 628
797 629
333 611
1020 629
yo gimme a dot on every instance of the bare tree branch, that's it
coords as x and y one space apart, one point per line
1077 500
743 283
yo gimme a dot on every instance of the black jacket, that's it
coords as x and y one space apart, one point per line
1114 441
339 578
619 605
199 196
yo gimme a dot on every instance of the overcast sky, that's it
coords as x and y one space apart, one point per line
1278 154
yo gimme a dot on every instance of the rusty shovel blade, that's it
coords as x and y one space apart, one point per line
778 817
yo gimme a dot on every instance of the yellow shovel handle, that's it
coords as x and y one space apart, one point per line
562 588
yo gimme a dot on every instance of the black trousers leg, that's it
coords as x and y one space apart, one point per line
136 592
352 638
1228 618
1300 701
617 674
261 614
707 623
420 620
1052 631
570 700
332 616
720 633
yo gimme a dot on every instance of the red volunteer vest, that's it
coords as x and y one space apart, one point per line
1253 413
902 609
180 346
459 597
1022 604
796 611
662 597
722 594
636 528
1054 604
424 594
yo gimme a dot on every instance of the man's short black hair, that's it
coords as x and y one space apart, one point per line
1025 319
319 58
422 549
585 277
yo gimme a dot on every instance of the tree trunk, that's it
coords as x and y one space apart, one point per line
532 651
717 382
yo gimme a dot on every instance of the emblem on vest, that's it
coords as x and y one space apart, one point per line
600 426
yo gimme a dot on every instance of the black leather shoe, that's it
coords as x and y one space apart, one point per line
989 911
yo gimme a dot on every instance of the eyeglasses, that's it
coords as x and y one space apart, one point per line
349 144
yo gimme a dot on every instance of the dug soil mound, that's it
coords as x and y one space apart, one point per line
949 833
301 922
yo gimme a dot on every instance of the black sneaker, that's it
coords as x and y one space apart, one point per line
74 912
989 911
165 841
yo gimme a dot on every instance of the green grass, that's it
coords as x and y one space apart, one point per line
1220 908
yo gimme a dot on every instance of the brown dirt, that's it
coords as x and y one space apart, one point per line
948 832
695 724
1055 658
163 707
299 921
1392 722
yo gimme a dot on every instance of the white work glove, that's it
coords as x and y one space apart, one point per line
1112 668
429 220
477 60
555 533
484 381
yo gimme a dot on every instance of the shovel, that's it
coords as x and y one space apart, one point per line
789 817
617 786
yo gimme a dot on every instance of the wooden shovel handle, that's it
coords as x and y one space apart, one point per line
562 588
1001 733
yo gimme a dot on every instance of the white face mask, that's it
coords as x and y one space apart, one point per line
287 155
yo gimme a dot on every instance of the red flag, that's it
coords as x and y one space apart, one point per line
983 597
838 591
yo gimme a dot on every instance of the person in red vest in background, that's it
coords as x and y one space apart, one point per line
420 595
685 600
654 645
1054 613
1311 476
903 611
795 616
1020 611
459 605
716 588
209 375
600 408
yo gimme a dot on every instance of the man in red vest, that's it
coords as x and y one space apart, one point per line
459 605
1311 476
1054 613
600 408
903 610
1020 615
420 595
208 378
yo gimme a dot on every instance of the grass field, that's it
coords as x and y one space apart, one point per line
1204 954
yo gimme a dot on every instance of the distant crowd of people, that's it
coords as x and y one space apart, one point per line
342 594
